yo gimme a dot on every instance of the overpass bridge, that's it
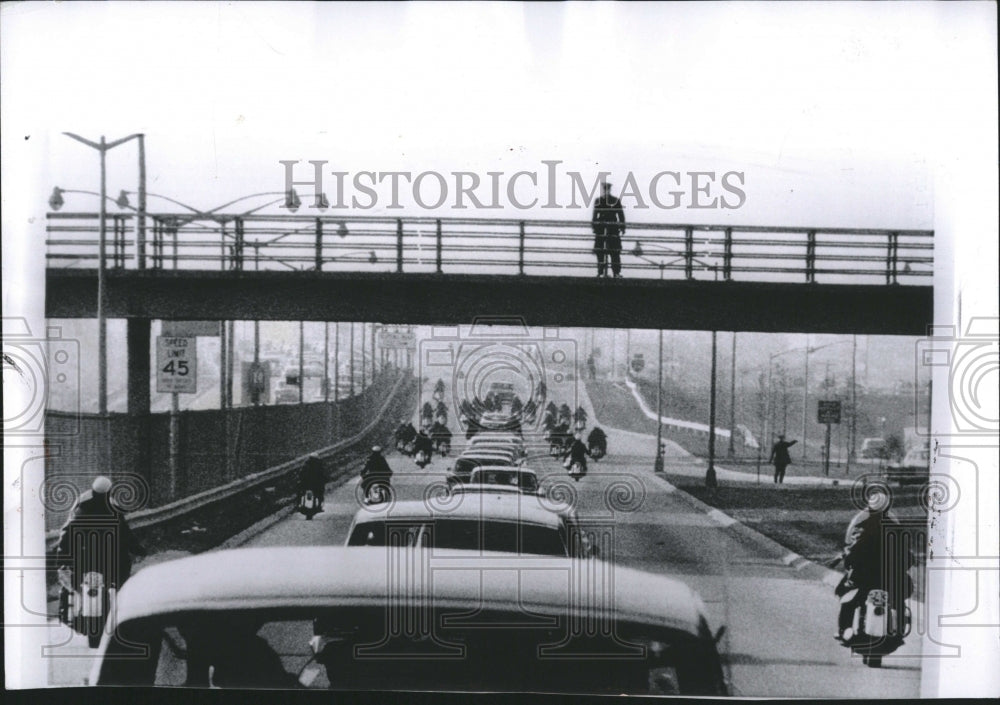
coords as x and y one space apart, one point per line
449 270
437 271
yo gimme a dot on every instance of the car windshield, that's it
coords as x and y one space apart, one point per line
361 648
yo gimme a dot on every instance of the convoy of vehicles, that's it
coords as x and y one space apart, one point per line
317 617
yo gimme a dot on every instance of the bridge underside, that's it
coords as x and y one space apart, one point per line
453 299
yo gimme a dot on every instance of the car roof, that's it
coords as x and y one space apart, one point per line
485 488
321 576
488 453
490 437
505 468
509 508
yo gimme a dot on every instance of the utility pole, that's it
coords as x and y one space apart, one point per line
326 361
853 428
658 463
711 480
223 367
302 381
351 370
732 399
805 400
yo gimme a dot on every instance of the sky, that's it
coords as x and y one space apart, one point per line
829 126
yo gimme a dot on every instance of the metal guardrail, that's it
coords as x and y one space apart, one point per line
156 515
490 245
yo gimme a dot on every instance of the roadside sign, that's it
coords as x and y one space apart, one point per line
638 363
828 412
176 364
256 381
190 329
398 339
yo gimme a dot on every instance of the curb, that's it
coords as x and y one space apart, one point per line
349 472
793 560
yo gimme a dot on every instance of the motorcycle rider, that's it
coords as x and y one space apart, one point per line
313 477
871 563
577 453
597 440
424 443
440 435
376 471
96 521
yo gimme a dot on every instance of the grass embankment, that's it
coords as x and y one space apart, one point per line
809 520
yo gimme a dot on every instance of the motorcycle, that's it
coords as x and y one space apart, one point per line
377 493
309 504
85 609
576 469
876 628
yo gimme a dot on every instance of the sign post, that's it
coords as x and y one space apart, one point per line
176 365
176 373
827 412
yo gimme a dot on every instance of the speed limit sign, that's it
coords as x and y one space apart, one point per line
176 365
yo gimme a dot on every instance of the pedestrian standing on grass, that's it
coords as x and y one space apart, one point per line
781 458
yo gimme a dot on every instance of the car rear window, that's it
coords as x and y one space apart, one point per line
508 537
364 648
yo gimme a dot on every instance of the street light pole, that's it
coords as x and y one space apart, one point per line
732 399
102 327
711 481
805 400
351 372
140 232
852 442
102 264
326 361
658 466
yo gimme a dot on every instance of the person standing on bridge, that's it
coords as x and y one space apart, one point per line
609 226
781 458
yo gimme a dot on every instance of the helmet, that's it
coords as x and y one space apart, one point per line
101 485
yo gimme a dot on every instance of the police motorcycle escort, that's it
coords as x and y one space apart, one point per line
93 559
597 443
575 458
311 487
376 478
874 618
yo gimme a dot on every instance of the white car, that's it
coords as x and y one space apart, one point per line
357 619
468 461
503 440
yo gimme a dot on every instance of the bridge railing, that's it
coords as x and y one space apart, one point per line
490 246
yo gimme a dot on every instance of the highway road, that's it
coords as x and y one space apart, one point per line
780 624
